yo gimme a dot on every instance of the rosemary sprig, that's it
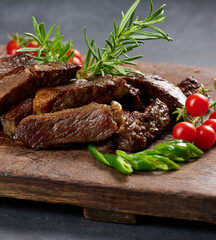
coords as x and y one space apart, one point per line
50 50
124 38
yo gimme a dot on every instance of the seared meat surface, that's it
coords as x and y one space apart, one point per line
15 87
140 129
12 118
82 92
55 73
90 123
189 86
153 86
9 63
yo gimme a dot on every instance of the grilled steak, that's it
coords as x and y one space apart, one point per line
12 118
189 86
15 87
9 63
55 73
90 123
82 92
140 129
153 86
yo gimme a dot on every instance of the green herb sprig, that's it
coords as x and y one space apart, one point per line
50 50
124 38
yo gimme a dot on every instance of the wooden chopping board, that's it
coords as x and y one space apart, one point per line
72 176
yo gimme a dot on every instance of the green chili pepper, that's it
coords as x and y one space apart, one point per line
119 163
99 156
178 151
136 162
148 160
170 164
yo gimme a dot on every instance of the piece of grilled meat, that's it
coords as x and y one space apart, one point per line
12 118
140 129
15 87
153 86
54 73
82 92
189 86
91 123
10 63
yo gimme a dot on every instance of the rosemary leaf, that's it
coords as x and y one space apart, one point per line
128 35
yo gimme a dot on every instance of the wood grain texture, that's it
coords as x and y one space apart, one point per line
72 176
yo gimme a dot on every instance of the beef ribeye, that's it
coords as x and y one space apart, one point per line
82 92
140 129
54 73
90 123
9 63
153 86
15 87
12 118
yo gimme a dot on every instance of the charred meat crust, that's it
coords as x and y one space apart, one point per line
12 118
153 86
91 123
189 86
140 129
10 63
55 73
82 92
15 87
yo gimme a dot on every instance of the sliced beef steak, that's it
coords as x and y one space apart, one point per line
153 86
90 123
13 117
9 63
55 73
15 87
82 92
140 129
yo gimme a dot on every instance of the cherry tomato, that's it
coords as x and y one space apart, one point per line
213 115
197 104
12 46
77 54
77 61
185 131
205 137
211 123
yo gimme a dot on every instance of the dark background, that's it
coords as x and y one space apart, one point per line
192 24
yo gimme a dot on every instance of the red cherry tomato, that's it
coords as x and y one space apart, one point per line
205 137
77 54
213 115
197 104
75 60
211 123
12 46
185 131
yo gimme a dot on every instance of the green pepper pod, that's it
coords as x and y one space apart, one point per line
155 160
119 163
143 161
99 156
178 151
136 162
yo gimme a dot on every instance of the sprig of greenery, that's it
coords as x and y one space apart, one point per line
50 50
21 40
124 38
